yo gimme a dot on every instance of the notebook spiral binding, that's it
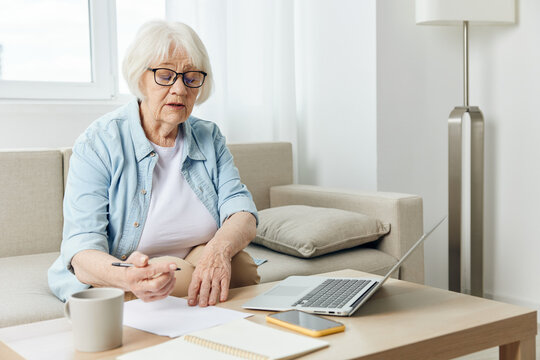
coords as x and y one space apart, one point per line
225 348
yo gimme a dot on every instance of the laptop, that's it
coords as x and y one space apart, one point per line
325 295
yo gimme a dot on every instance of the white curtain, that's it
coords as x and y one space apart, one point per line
251 45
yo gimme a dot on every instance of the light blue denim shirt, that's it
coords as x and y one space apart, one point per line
109 186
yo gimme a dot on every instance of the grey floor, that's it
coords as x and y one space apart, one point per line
493 354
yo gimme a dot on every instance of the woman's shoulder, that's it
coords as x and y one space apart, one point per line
200 127
198 123
107 127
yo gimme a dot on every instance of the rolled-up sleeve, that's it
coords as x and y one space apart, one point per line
233 195
86 204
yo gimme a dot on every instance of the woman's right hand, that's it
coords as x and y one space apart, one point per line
149 282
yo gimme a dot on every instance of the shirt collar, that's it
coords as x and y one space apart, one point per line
140 142
190 142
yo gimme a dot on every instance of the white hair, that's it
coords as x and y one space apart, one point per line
153 43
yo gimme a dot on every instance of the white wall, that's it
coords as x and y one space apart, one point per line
419 82
505 84
47 125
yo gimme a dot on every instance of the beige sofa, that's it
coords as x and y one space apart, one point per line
31 221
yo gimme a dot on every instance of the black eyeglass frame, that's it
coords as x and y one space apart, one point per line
177 75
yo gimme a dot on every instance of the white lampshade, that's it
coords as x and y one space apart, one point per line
454 12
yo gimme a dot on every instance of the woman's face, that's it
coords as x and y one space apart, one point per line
168 104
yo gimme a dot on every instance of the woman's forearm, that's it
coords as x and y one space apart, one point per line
235 234
93 267
148 282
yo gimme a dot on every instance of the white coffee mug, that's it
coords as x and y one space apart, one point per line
97 316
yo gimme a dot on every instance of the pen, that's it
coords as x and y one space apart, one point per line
123 264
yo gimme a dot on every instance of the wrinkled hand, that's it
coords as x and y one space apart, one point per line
211 278
149 282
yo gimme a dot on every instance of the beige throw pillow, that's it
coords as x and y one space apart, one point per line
307 231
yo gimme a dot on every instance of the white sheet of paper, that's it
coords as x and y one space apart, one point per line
45 340
173 317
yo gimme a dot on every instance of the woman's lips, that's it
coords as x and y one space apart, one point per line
176 106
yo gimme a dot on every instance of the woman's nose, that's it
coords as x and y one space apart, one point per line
178 87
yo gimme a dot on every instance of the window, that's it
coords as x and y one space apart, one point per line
57 49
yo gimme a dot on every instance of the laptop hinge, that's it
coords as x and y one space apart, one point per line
364 295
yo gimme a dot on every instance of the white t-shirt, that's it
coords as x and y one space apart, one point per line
177 219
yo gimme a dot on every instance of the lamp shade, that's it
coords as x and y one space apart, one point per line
454 12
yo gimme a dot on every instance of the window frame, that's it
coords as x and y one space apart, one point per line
103 56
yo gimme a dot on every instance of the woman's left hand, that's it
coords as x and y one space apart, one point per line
211 278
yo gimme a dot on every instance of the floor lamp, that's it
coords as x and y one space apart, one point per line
463 13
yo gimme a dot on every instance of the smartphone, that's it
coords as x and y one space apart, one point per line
305 323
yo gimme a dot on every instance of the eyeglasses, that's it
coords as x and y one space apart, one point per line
167 77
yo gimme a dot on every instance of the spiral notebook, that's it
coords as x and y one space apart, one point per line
239 339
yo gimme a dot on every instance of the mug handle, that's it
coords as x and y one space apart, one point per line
67 313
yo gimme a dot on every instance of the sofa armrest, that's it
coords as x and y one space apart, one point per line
402 211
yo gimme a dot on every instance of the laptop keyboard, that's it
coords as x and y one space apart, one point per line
332 293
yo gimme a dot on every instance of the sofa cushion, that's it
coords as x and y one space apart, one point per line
307 231
363 258
25 295
31 206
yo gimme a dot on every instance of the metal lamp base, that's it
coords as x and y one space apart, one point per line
455 122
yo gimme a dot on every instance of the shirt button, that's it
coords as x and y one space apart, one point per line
123 257
136 224
152 154
143 192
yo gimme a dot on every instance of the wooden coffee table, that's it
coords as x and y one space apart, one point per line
402 321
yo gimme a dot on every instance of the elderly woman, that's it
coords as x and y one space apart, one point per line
156 188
